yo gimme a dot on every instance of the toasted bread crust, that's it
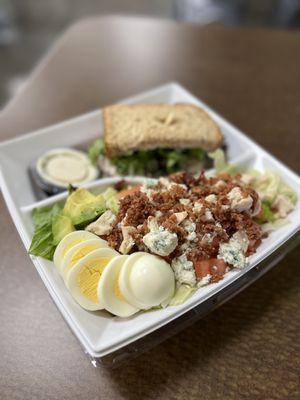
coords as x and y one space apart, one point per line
149 126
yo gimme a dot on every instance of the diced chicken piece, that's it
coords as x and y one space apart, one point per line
257 208
165 182
185 202
168 184
283 205
181 216
161 242
148 191
152 224
128 241
242 239
247 179
103 225
207 238
238 202
220 184
197 206
212 198
208 217
158 214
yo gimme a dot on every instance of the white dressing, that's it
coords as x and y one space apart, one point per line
62 167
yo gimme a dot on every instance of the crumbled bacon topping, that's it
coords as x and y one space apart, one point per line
210 219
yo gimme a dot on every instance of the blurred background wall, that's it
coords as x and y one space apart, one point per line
28 27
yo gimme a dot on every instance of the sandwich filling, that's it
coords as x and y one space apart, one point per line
151 163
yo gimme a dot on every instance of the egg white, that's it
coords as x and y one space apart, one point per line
68 242
146 281
109 293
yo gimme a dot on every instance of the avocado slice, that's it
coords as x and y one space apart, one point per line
82 207
61 226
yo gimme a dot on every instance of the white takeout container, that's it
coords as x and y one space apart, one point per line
107 339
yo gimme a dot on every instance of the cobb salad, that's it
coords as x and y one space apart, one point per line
135 248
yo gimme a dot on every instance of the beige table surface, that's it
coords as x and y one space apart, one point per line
248 348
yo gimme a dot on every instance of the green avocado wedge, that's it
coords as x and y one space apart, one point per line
82 207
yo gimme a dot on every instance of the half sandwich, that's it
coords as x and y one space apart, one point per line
155 139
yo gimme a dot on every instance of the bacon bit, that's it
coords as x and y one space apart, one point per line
120 185
135 208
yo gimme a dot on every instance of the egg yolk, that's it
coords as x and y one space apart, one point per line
83 251
89 276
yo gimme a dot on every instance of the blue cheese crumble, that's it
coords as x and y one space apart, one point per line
233 252
190 228
184 271
161 241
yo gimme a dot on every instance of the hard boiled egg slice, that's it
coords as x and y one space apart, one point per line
79 251
68 242
146 281
109 293
82 280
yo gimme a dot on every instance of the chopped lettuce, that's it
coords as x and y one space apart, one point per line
288 192
267 185
95 150
267 215
111 200
220 163
269 227
149 162
182 293
157 162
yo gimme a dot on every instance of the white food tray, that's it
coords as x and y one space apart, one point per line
100 333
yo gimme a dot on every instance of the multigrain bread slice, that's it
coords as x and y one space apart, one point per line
150 126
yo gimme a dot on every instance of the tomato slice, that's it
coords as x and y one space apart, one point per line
214 267
217 269
202 268
128 192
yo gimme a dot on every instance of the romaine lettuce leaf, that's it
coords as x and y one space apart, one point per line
42 242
